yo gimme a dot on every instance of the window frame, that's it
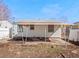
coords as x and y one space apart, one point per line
32 27
50 28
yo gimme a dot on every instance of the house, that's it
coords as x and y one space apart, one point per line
5 24
74 32
5 27
38 29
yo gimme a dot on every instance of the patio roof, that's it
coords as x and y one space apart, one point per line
41 22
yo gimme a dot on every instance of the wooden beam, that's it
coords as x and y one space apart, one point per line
45 34
65 38
26 33
22 36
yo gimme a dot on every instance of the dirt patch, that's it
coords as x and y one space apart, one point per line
17 49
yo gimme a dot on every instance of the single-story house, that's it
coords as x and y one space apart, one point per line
39 29
5 27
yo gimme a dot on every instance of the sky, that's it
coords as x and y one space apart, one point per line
65 10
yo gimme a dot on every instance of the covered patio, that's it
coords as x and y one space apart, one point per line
39 31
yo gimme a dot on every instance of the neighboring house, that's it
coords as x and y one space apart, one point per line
5 27
76 23
39 29
74 32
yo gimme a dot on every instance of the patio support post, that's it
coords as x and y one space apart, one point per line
45 34
26 33
11 32
65 37
68 33
62 30
22 35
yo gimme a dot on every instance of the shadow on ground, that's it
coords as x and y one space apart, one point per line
30 39
73 42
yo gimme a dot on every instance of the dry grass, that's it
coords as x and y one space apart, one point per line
34 51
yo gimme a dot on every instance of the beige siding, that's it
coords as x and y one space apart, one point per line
39 31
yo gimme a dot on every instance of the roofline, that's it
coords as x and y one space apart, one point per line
43 23
40 21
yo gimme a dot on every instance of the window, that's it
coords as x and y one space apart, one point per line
20 28
31 27
50 28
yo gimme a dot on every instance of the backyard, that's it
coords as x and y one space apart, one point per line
37 49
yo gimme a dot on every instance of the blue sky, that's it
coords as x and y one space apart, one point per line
58 9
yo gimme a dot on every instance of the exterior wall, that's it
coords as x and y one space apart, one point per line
74 35
5 24
39 31
5 29
4 33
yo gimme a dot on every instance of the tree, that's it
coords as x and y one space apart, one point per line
4 11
